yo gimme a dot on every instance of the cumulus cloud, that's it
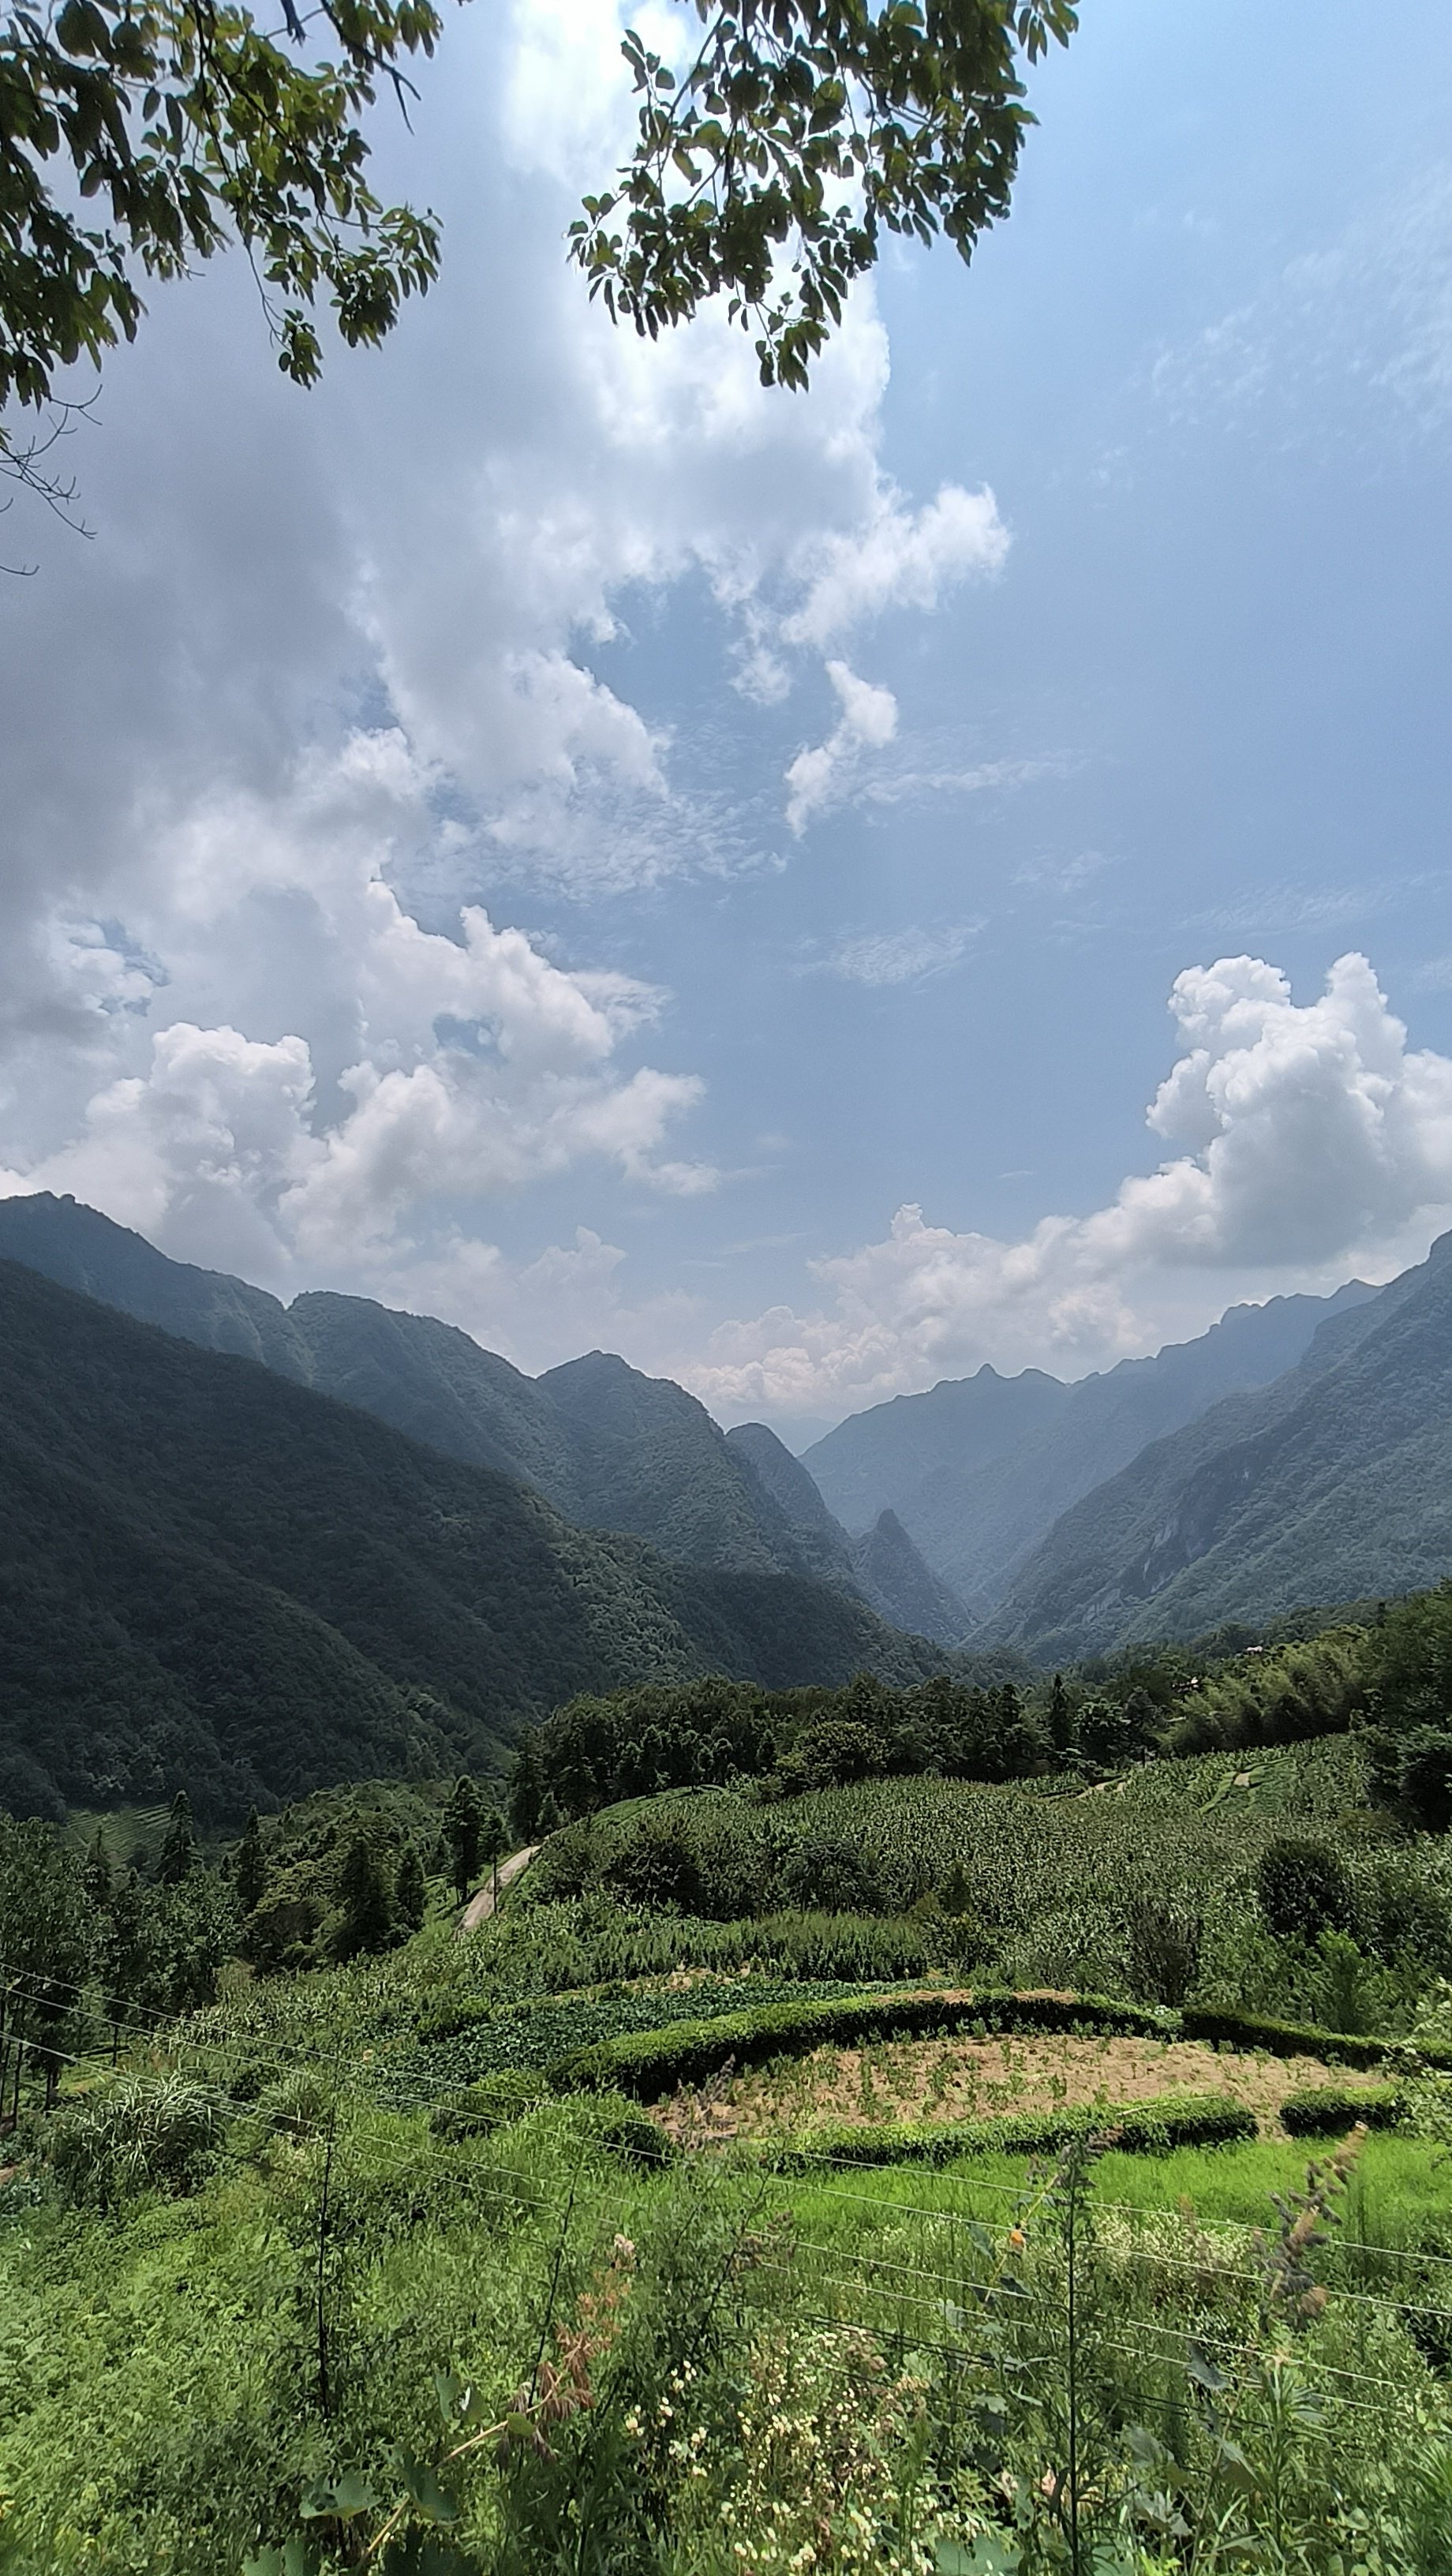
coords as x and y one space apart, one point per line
447 1066
898 559
1313 1141
817 777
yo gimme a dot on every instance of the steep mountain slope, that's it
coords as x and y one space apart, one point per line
883 1565
903 1587
882 1459
607 1446
212 1576
1333 1484
979 1508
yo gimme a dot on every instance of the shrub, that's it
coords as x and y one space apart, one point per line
1163 1949
490 2104
1140 2128
824 1871
143 2133
1424 1778
1329 2110
1303 1889
652 2063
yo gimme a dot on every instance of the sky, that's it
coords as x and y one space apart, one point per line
814 892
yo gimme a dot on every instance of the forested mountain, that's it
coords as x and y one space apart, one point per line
978 1469
883 1565
215 1578
1333 1484
609 1447
902 1585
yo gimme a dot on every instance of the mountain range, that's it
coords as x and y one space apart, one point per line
1295 1455
1332 1484
979 1469
214 1577
609 1447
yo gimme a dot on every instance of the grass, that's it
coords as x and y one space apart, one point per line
1400 2197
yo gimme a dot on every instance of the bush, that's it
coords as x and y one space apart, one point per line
1140 2128
1163 1949
1303 1889
1424 1778
652 2063
490 2104
143 2133
824 1872
1329 2110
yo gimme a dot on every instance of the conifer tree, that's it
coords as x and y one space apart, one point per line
179 1855
463 1829
366 1898
411 1892
96 1870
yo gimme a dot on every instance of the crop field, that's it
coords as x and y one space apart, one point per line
983 2079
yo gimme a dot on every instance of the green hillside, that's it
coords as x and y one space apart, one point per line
608 1446
212 1577
1331 1485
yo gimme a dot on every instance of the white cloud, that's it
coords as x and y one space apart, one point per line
1314 1141
453 1067
899 559
884 957
816 778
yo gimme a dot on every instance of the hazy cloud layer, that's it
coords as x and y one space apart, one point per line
1312 1140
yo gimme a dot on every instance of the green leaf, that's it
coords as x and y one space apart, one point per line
423 2488
342 2496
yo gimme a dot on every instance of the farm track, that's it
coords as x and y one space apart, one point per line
481 1905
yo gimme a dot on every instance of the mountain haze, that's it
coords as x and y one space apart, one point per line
883 1565
979 1469
1332 1484
215 1578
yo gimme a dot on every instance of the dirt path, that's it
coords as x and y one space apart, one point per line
480 1907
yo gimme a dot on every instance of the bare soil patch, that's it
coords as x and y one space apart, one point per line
983 2079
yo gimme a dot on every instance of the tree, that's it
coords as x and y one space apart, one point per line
251 1866
766 170
192 127
410 1893
1062 1732
801 132
178 1855
463 1829
96 1869
366 1897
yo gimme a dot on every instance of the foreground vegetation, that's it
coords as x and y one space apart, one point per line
884 2172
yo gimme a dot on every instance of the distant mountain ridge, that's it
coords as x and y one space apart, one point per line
979 1469
883 1564
1332 1484
213 1577
609 1447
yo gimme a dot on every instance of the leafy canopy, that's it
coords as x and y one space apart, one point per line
137 137
185 125
768 168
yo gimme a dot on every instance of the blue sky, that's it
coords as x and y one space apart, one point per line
846 781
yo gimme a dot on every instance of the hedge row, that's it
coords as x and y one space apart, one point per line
1329 2110
652 2063
1153 2128
1291 2039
